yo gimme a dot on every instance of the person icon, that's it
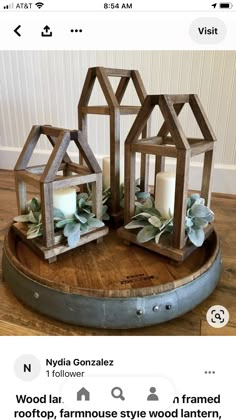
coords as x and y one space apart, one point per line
152 396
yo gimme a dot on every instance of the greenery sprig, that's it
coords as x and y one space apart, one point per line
82 220
122 191
153 225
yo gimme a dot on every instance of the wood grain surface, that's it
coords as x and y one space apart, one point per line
17 319
110 268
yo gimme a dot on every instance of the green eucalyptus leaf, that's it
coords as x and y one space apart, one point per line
37 215
148 204
105 216
158 235
32 217
189 203
73 238
137 211
104 209
199 210
143 215
155 221
153 212
70 229
82 195
57 214
107 190
88 215
81 202
200 201
147 233
165 223
188 221
80 218
199 222
196 236
84 228
95 223
32 229
34 205
104 200
84 215
194 197
62 223
142 195
134 224
34 233
210 217
88 211
22 218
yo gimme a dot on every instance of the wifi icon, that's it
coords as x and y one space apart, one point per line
39 5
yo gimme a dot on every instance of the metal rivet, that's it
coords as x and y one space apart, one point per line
168 306
155 308
36 295
139 312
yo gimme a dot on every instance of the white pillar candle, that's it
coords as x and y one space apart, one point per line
64 199
106 163
165 193
106 171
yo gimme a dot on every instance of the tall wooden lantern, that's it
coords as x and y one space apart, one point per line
58 174
114 109
178 146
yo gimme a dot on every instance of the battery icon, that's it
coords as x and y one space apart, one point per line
226 5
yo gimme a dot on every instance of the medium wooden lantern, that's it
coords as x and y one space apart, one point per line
175 145
114 109
47 179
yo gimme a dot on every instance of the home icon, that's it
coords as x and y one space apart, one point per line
83 394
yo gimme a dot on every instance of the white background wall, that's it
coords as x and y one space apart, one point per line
43 87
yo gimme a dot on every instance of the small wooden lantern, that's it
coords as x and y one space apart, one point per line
178 146
47 179
114 109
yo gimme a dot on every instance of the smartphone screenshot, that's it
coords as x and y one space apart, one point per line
117 209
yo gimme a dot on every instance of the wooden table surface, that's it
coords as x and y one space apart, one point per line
16 319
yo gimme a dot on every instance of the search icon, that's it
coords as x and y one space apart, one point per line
117 393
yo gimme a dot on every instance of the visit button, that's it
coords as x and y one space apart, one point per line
208 30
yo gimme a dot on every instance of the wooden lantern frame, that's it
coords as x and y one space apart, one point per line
176 145
114 110
46 179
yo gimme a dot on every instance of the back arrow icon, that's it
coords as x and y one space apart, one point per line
16 30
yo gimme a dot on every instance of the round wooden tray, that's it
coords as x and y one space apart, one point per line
111 285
